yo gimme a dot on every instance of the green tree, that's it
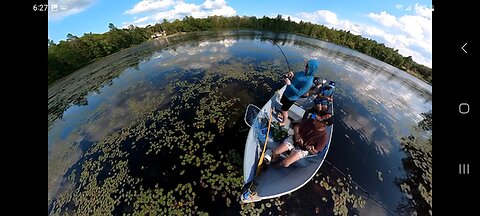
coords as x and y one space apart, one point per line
67 56
111 26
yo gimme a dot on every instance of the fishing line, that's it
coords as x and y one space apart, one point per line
365 191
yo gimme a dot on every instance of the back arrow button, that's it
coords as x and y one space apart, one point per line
463 48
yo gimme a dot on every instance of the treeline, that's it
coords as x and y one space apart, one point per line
68 56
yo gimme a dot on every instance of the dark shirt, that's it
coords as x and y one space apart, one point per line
313 133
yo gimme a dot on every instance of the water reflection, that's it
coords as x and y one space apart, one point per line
197 56
151 98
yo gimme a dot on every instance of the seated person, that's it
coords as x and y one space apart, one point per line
327 91
321 111
310 137
316 87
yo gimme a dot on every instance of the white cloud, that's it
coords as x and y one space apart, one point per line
213 4
177 9
184 8
326 18
410 34
150 5
417 26
409 8
352 27
423 11
406 45
68 8
141 20
224 11
399 6
320 16
384 18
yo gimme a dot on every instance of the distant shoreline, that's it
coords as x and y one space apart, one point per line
171 35
76 52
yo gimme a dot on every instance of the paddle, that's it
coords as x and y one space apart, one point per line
260 161
247 187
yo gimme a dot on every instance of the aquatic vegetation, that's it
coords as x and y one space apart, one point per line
171 142
380 175
341 194
273 206
180 201
60 158
418 184
104 179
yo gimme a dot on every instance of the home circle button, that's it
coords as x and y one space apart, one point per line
464 108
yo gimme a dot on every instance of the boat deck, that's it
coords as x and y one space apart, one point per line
275 182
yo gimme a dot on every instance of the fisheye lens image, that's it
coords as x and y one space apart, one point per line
218 107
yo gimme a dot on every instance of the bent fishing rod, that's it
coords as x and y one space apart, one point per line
284 57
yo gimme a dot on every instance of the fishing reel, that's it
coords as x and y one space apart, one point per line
287 75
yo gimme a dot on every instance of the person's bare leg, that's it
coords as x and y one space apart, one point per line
294 156
285 117
277 151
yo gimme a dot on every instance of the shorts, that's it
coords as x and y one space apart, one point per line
292 148
286 103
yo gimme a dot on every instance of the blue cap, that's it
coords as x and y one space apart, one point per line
332 84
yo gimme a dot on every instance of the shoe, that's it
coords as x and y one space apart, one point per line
279 117
267 157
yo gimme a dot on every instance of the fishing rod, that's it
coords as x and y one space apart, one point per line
284 57
361 188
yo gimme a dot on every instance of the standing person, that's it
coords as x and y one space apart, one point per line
301 83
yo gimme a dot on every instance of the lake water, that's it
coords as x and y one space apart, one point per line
159 128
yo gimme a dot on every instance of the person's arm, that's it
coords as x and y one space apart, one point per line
319 95
299 92
296 135
330 98
323 118
311 150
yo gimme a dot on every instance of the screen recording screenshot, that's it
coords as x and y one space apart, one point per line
222 107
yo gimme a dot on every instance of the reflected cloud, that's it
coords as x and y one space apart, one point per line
61 156
360 124
201 56
368 131
384 92
383 146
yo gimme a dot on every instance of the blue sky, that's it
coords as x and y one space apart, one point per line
405 25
